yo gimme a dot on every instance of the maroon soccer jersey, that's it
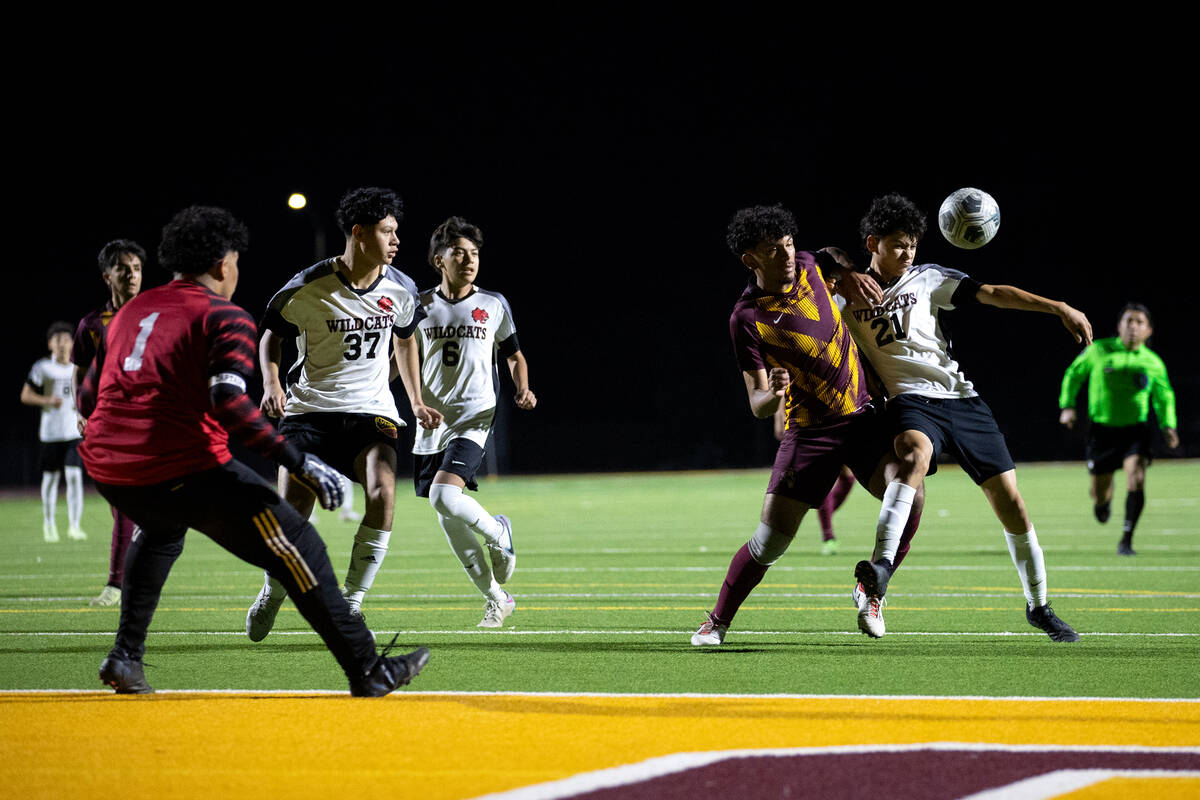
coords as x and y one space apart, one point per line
802 331
153 419
88 335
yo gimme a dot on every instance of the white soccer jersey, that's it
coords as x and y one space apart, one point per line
48 377
902 337
459 343
343 338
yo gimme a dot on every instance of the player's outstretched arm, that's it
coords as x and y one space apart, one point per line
1073 320
270 353
406 361
859 288
766 390
519 369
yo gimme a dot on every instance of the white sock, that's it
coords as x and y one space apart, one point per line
347 491
276 590
452 501
74 496
893 516
470 554
1031 565
49 496
366 557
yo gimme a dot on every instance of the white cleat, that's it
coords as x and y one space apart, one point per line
109 596
495 613
710 634
870 612
504 558
77 534
49 531
260 619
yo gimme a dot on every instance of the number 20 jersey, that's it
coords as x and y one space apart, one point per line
902 337
459 343
343 338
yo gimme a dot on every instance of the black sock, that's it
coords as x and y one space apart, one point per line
1102 511
1135 501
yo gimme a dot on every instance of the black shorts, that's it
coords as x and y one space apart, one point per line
56 455
963 428
338 439
810 458
1107 447
462 457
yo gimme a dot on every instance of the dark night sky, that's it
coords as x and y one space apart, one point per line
603 172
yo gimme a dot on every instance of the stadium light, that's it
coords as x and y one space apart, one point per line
297 201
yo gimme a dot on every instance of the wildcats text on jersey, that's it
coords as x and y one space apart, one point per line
898 302
455 332
376 323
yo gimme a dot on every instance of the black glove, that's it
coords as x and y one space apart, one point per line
322 480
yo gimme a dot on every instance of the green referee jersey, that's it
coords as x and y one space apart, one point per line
1122 384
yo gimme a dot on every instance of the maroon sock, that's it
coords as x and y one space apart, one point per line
831 503
122 534
910 530
743 575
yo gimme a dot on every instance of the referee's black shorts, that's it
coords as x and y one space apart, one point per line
1108 447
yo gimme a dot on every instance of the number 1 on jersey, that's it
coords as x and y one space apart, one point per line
883 336
133 362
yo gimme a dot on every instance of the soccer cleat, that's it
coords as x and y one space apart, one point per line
261 616
1125 548
109 596
77 534
495 613
830 548
1102 511
504 558
1044 618
710 634
124 675
387 674
873 577
49 531
356 613
870 612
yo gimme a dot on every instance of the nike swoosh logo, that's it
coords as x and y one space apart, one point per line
460 463
777 319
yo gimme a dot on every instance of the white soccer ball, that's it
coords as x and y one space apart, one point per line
969 218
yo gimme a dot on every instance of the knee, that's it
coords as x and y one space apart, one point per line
444 498
768 544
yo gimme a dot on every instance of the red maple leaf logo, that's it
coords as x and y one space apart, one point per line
479 315
386 303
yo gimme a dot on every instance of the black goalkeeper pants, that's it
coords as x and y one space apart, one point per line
240 511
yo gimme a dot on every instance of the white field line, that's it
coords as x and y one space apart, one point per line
647 632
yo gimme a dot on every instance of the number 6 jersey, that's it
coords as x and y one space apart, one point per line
343 338
902 336
459 343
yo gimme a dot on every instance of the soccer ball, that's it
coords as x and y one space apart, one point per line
969 218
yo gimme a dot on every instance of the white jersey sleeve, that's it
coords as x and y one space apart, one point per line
343 339
460 340
902 336
48 377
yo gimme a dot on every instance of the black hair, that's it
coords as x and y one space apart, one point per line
198 237
444 236
59 327
1137 307
366 207
750 226
111 253
892 213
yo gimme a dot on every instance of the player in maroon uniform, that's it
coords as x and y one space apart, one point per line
168 382
121 262
792 346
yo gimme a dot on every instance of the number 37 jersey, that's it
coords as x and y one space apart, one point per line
343 338
902 336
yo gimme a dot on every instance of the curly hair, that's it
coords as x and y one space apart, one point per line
59 327
750 226
111 253
367 206
199 236
892 213
444 236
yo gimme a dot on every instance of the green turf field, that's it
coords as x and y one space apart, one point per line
615 572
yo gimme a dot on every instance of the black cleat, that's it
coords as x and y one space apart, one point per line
1102 511
873 577
388 674
1044 618
124 675
1125 548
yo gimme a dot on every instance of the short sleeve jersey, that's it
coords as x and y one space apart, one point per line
460 341
801 331
48 377
902 337
151 422
1122 384
343 338
88 334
